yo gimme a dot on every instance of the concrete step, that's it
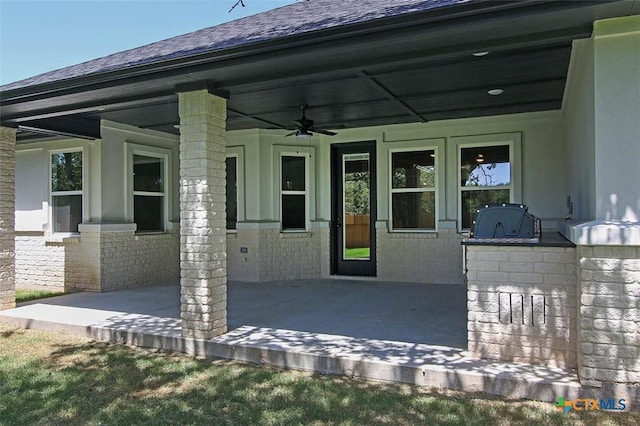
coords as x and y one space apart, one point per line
382 360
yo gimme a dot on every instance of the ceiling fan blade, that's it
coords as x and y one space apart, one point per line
324 132
292 133
305 126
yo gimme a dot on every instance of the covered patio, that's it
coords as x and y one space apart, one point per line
397 332
178 161
406 312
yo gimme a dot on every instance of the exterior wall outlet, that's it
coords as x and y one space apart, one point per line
244 249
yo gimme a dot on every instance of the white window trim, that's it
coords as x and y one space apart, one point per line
154 152
392 191
301 151
238 153
514 141
83 192
283 192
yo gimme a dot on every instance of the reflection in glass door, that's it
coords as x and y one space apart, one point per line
353 206
356 206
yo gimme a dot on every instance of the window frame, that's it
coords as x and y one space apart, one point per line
392 191
513 141
82 193
152 152
305 192
237 152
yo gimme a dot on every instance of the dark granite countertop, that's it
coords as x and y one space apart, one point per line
547 239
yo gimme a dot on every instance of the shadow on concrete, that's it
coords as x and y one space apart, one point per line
419 313
408 333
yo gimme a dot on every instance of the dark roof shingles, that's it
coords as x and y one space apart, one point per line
297 18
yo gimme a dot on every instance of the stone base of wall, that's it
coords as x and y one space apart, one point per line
96 261
82 264
268 254
609 316
521 304
130 260
434 258
406 257
40 262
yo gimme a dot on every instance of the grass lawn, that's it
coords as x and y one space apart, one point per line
357 253
54 378
26 295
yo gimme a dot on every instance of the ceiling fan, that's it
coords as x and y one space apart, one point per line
305 128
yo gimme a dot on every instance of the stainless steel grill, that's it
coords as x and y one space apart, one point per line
505 221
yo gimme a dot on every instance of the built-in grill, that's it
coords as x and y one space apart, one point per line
505 222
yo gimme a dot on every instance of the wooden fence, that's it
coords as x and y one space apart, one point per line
357 231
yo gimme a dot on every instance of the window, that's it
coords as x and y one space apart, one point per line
485 178
293 192
235 187
413 190
149 192
66 191
232 192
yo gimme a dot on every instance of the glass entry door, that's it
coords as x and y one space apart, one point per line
353 206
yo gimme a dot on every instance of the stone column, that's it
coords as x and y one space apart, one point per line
203 264
7 218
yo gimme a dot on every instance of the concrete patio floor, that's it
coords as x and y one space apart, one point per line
402 332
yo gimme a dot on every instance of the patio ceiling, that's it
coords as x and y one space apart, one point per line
415 68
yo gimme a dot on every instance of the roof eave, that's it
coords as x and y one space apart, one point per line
170 65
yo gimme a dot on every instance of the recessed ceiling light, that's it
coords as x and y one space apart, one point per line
480 54
495 92
176 126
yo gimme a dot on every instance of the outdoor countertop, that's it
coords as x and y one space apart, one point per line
547 239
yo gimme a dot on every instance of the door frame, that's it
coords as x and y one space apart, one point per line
338 265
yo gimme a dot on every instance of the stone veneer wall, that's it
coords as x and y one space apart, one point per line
129 260
522 304
609 315
243 266
39 262
289 255
274 255
434 258
83 263
97 261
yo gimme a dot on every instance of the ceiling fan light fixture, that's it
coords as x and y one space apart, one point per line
305 128
303 134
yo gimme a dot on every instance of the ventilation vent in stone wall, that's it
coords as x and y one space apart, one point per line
522 309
